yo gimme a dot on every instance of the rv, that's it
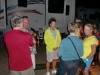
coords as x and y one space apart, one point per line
39 12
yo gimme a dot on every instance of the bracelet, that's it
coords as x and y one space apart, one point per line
87 59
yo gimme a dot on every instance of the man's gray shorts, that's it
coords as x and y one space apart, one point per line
29 71
51 56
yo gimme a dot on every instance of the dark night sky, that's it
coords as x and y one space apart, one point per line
88 3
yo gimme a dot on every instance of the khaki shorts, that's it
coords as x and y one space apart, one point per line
29 71
51 56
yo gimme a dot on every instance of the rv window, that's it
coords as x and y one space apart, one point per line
36 1
55 6
92 16
67 9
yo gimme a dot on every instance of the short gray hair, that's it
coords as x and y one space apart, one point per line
90 25
16 21
72 27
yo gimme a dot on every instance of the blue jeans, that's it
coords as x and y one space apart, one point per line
70 67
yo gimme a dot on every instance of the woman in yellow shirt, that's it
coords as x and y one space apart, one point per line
90 43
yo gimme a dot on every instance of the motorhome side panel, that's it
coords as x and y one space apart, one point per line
35 12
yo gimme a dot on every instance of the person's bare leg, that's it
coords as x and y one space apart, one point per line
86 72
47 66
93 64
54 64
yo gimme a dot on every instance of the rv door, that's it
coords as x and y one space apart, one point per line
55 9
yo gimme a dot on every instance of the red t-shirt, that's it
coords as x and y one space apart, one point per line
17 43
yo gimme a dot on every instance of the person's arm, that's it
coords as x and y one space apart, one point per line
37 39
31 44
61 49
46 38
59 38
59 41
81 50
93 48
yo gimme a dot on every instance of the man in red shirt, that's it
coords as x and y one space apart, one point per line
17 43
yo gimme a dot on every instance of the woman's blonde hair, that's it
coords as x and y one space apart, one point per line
72 27
90 26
